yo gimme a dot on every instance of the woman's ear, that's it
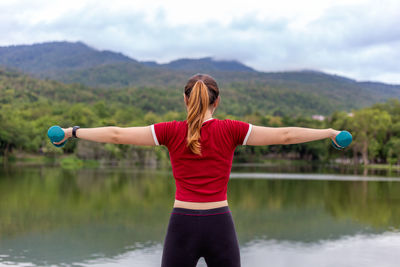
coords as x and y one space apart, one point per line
216 103
185 99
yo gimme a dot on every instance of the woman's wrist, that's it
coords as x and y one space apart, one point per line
68 132
333 133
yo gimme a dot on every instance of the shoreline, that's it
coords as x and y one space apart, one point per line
26 159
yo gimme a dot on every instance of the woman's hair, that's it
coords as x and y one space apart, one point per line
201 91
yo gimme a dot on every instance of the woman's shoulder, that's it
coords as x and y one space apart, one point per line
230 121
171 122
213 121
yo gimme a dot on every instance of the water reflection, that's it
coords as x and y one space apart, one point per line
358 250
118 217
313 167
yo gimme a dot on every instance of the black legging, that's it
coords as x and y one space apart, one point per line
193 234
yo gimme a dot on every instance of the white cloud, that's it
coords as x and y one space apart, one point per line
360 39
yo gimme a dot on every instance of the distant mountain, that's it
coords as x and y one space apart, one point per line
49 59
44 59
244 89
206 64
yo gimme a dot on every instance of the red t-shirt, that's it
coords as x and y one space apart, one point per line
202 178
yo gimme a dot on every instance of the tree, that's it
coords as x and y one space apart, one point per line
369 124
392 150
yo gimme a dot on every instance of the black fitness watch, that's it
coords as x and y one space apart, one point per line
74 129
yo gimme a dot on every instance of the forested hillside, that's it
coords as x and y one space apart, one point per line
29 106
69 84
244 90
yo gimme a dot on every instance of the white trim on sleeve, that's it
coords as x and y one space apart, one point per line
248 134
154 135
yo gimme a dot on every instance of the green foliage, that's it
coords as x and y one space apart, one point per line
30 106
71 163
392 150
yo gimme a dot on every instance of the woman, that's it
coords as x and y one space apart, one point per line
201 151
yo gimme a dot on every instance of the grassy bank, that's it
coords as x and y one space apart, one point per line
65 161
73 162
382 167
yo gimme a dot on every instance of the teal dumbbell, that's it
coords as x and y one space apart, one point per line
56 134
343 139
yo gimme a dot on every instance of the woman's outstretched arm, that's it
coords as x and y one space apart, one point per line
113 134
260 135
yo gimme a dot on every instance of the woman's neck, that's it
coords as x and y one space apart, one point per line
208 115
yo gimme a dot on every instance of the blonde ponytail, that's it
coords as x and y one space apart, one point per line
198 103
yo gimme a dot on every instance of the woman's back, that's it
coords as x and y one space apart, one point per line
202 178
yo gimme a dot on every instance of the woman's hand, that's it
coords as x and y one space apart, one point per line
67 133
333 136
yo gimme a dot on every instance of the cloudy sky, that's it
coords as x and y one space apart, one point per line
359 39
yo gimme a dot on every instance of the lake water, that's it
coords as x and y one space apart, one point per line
118 217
